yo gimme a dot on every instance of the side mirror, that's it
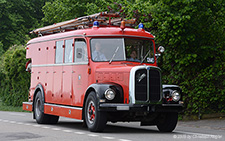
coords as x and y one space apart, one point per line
161 49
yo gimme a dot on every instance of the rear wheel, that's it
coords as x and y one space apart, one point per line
167 122
95 120
39 114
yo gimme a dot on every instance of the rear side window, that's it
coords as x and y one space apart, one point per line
69 51
80 51
59 52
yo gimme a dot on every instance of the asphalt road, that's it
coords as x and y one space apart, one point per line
21 126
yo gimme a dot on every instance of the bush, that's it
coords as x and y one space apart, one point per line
15 80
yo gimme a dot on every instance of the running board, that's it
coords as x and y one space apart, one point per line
58 110
65 111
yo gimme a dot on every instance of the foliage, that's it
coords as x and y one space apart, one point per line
14 78
3 107
193 33
17 18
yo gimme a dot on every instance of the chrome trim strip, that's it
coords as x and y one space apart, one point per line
132 83
148 82
28 103
62 106
62 64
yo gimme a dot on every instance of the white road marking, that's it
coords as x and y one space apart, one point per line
93 135
19 123
5 121
36 125
27 124
68 131
12 122
56 129
124 140
80 133
45 127
109 138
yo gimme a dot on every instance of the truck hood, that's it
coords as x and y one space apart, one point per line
113 73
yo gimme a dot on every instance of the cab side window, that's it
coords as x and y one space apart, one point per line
68 51
80 51
59 52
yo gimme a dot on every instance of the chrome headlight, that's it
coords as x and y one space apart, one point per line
175 96
110 94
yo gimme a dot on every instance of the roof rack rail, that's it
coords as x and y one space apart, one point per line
104 19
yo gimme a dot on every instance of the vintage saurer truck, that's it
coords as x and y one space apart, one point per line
99 69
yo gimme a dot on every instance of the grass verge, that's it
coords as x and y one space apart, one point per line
10 108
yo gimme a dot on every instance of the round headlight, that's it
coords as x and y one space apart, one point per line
175 96
110 94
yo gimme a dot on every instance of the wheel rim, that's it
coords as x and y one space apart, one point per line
91 112
38 107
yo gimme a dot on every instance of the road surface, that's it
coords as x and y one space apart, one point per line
21 126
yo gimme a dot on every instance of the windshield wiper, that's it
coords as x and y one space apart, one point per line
114 55
145 56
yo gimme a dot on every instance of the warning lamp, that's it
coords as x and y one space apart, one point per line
122 26
141 26
96 24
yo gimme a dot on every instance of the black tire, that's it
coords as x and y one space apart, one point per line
39 114
167 122
94 119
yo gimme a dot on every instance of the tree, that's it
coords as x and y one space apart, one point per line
193 34
15 80
17 19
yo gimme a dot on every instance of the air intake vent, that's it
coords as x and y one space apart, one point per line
141 85
154 85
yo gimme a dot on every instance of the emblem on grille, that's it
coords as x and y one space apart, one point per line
141 77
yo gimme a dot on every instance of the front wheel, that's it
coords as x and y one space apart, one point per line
167 122
94 119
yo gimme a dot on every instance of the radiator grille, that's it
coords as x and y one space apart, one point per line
147 85
141 85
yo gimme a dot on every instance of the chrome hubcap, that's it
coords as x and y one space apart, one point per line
91 112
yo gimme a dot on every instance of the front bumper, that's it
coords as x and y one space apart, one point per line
141 107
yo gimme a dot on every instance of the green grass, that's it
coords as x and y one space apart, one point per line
10 108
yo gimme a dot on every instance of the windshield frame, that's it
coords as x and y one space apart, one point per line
125 57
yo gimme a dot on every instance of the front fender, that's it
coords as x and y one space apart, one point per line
167 91
100 89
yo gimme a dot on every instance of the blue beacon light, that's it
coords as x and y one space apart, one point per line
96 24
141 26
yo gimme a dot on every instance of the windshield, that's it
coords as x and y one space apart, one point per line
122 49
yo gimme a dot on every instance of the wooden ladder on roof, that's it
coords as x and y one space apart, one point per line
104 19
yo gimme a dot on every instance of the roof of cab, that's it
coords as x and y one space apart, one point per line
95 32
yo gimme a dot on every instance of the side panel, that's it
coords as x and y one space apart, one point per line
49 85
57 84
80 84
67 85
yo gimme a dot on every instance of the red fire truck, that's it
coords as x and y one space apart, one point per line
99 69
